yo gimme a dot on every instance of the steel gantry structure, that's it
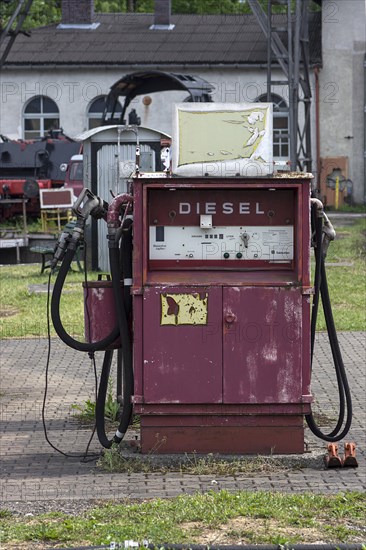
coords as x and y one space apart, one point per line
13 26
288 48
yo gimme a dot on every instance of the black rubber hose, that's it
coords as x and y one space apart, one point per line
126 262
317 230
321 289
128 383
342 381
100 404
345 399
126 265
125 357
126 251
56 319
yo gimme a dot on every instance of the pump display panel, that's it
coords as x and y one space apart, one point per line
229 228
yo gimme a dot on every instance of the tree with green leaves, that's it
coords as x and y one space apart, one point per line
47 12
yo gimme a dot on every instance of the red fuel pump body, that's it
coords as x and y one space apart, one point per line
221 301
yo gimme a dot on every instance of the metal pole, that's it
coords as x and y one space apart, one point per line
25 228
269 51
293 93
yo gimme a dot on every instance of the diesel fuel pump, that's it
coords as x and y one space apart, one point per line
211 304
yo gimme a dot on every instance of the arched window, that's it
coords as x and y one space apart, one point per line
280 126
96 110
41 114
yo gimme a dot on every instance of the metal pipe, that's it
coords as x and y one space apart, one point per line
317 127
117 189
119 66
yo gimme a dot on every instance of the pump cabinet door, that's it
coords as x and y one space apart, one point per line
182 345
262 345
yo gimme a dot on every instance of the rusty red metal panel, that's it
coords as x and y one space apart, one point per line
306 348
242 208
224 278
280 435
262 345
267 206
100 314
306 234
138 238
182 363
222 420
239 383
137 348
225 410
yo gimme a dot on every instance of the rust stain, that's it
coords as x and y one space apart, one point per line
183 309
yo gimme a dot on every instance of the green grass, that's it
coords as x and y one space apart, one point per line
113 461
215 517
346 208
347 283
23 313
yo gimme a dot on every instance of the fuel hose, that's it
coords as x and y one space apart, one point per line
116 230
56 317
101 398
322 291
124 355
126 266
127 371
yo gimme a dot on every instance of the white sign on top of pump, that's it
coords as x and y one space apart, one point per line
222 139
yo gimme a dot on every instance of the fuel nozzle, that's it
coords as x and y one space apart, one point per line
86 205
89 204
60 249
329 234
328 230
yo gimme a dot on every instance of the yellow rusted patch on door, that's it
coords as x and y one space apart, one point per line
184 309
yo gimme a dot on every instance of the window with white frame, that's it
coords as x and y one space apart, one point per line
281 140
96 110
40 115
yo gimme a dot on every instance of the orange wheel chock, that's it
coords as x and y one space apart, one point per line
332 459
349 459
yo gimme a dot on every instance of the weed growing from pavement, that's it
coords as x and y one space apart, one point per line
212 518
85 413
113 460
